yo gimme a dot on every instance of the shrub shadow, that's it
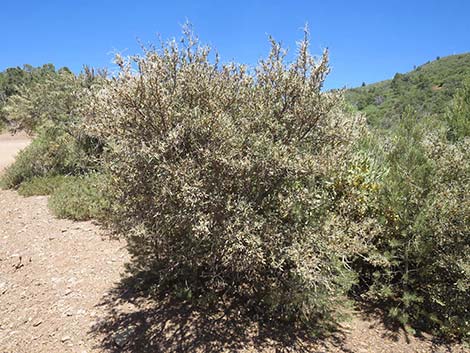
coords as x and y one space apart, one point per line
392 330
136 321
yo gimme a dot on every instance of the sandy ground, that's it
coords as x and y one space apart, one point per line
53 273
62 290
9 147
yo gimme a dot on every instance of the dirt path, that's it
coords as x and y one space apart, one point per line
60 292
53 273
9 147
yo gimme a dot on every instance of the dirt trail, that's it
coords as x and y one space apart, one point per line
53 273
9 147
60 292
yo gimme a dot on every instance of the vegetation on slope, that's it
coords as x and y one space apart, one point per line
428 89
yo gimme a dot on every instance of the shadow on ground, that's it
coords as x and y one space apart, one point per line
392 331
136 322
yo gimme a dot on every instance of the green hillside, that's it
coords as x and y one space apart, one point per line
427 89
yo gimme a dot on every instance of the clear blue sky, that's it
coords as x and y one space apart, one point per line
368 40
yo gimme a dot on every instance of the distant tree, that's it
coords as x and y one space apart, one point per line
395 84
50 99
65 69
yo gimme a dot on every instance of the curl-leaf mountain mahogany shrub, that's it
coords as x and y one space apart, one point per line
222 176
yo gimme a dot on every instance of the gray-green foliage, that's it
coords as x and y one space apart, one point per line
80 198
50 99
48 109
253 182
222 177
52 152
15 80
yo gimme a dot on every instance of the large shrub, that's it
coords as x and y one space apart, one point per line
48 108
418 262
51 98
442 247
222 177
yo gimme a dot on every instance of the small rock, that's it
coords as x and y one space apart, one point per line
65 339
37 323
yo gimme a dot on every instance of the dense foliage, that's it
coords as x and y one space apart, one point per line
80 198
418 264
222 178
428 89
15 80
46 105
52 152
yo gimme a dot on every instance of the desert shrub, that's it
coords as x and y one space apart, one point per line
37 186
80 198
221 177
49 109
51 99
417 263
52 152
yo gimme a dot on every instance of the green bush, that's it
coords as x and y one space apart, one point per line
418 261
221 177
458 114
53 152
41 185
44 96
80 198
48 107
442 245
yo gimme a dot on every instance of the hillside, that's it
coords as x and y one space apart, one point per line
427 89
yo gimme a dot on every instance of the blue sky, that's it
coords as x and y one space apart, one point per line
368 40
